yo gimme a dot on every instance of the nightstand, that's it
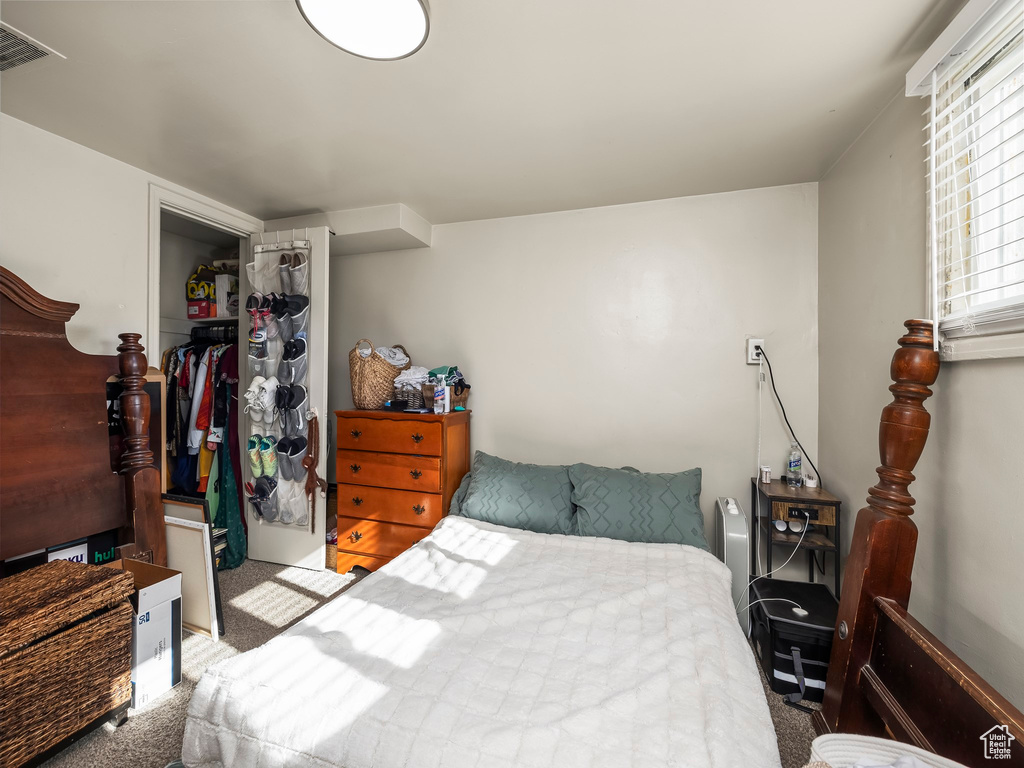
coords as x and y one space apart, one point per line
778 501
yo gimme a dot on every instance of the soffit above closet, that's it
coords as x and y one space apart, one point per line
511 107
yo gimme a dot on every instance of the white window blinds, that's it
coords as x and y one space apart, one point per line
976 174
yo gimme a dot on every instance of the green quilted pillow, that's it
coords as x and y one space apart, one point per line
633 506
527 496
455 506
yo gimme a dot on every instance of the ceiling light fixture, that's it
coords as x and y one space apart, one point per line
382 30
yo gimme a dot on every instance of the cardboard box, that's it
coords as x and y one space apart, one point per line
75 551
102 548
200 310
227 295
156 638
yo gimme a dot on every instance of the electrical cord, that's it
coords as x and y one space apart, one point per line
796 439
774 599
757 469
775 570
820 566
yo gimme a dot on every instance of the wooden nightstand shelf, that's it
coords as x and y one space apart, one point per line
397 473
777 501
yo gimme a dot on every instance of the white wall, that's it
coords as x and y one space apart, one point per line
74 224
970 481
74 227
609 335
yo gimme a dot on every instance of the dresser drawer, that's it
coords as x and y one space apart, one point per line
346 560
369 537
389 436
390 470
389 505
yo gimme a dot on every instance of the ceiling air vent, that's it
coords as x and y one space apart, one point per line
17 48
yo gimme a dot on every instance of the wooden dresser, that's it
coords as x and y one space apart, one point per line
397 473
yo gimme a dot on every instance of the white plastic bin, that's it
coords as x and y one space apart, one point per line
841 750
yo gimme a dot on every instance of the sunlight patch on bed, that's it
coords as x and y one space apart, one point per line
297 674
274 603
378 632
488 547
448 576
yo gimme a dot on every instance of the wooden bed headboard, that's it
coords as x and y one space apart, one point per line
59 478
888 675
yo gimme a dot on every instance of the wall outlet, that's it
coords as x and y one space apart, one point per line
753 356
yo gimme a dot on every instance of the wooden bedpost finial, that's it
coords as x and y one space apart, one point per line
903 428
141 477
134 403
884 538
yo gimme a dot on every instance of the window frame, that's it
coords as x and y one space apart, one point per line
994 329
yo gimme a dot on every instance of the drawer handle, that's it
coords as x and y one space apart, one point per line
355 468
355 536
355 433
419 509
415 474
356 500
417 438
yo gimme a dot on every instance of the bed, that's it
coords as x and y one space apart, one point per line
486 645
58 454
69 479
889 676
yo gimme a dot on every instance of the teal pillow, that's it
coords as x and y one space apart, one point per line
528 496
633 506
455 506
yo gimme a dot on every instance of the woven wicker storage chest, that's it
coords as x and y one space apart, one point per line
65 654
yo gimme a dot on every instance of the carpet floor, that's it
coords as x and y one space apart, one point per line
260 601
792 727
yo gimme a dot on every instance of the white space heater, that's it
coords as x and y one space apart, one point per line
732 547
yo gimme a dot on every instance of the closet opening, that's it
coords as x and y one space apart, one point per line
197 333
185 246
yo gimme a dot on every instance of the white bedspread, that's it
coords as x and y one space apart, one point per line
488 647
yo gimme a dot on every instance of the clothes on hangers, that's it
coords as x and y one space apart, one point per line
202 419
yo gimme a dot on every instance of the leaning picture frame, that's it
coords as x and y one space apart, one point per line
189 530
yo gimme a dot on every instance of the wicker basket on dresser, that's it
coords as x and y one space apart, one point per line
397 473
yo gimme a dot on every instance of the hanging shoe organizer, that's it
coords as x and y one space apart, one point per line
277 400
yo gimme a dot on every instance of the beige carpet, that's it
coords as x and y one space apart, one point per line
260 600
792 727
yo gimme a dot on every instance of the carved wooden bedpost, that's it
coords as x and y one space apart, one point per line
141 477
884 538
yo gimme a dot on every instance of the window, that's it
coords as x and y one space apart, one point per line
976 175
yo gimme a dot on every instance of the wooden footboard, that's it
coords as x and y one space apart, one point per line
888 675
913 689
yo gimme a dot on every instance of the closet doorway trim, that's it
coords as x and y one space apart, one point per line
190 206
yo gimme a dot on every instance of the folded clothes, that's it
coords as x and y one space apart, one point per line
411 377
393 355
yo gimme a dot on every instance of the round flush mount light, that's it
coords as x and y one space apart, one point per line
382 30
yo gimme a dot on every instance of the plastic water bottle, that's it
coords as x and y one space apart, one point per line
439 388
794 475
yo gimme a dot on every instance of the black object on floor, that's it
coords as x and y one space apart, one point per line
794 623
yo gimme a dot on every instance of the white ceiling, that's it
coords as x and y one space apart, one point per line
511 107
